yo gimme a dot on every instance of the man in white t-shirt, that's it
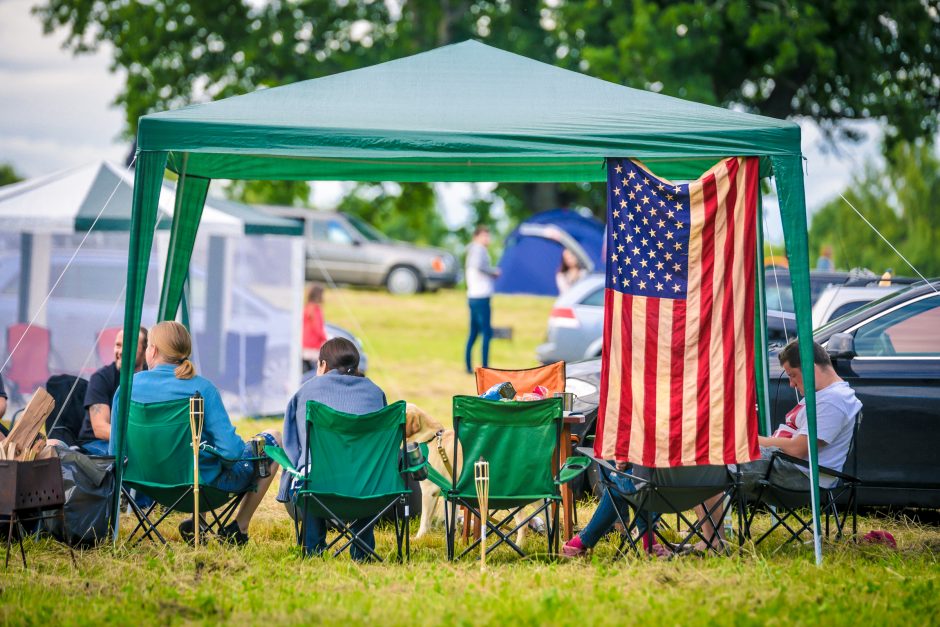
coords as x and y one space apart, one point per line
836 408
479 276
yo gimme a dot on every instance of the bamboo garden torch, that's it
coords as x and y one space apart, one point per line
197 414
481 476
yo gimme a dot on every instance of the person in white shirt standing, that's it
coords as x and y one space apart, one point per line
479 275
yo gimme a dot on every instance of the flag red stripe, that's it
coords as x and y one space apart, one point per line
605 373
750 231
675 385
707 264
626 374
649 381
728 317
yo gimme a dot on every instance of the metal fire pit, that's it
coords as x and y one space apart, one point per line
27 490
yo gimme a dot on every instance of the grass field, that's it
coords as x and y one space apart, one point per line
416 346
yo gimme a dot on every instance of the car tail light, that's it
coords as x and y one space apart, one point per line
437 264
563 317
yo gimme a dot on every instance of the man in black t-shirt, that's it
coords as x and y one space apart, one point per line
95 433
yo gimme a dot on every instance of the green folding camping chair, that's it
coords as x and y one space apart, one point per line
159 463
520 442
352 473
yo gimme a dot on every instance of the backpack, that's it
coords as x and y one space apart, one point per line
89 488
65 421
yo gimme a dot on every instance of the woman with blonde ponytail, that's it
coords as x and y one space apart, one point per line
172 376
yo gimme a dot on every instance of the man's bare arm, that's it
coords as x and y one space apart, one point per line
100 415
797 446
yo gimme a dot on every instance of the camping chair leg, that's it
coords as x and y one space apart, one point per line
448 532
169 510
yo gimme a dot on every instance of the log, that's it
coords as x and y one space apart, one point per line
27 427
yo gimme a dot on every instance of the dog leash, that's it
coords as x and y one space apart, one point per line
440 449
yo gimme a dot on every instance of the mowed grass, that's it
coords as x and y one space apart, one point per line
417 347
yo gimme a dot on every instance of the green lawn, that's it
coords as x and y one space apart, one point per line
416 349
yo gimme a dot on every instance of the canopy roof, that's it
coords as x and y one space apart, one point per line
70 200
465 112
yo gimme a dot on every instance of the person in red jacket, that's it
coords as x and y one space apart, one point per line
314 331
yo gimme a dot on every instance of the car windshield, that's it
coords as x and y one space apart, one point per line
366 230
824 329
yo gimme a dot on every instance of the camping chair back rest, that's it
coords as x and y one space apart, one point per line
518 439
551 376
159 444
683 487
354 456
29 365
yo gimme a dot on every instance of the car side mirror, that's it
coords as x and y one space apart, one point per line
357 242
841 346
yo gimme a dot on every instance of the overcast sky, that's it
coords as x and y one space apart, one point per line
56 112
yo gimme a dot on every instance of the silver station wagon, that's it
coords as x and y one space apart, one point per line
347 250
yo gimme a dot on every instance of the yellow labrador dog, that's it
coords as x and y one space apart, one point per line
440 441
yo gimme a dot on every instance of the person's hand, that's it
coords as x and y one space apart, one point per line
621 466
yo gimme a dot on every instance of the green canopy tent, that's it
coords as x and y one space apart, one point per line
465 112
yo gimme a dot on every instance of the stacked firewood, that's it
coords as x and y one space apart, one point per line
25 443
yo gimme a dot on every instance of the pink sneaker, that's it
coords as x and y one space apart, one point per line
573 548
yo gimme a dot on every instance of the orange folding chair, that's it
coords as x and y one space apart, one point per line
551 376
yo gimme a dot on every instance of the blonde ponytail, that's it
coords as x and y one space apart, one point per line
175 345
186 370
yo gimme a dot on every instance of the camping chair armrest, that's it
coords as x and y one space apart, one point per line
279 456
572 468
823 470
444 483
208 448
611 468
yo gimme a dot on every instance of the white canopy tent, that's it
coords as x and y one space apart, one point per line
245 284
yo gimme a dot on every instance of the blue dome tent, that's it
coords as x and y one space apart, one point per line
532 256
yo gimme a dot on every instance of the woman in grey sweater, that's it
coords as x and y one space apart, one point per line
340 386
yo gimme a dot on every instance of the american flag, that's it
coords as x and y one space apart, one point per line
677 374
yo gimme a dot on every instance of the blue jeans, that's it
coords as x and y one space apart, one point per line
96 447
240 476
479 325
606 514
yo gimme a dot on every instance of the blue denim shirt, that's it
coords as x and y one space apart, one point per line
160 384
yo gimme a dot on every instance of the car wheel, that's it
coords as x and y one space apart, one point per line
403 280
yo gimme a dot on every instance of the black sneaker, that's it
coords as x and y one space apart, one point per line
188 530
232 534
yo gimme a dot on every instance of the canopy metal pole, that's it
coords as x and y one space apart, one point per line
788 173
148 178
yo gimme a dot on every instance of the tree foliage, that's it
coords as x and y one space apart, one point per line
829 60
8 174
900 200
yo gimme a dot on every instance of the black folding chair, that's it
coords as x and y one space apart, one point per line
671 491
787 504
